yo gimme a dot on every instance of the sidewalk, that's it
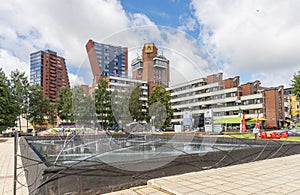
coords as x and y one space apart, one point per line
7 169
273 176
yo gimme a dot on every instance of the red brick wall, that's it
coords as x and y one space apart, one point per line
211 79
53 76
271 106
248 88
228 83
93 58
214 78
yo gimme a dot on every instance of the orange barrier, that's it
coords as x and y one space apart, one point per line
273 135
264 135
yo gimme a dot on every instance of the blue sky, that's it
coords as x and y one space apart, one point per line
165 13
258 40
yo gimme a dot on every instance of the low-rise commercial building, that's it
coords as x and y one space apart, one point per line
228 99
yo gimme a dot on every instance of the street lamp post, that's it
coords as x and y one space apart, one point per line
152 121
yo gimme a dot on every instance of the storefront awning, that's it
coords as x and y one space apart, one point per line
254 119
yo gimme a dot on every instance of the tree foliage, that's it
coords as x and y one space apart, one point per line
159 107
9 106
120 104
296 84
52 114
103 104
38 106
136 104
19 86
64 105
84 108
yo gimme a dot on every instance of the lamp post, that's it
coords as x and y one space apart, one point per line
152 121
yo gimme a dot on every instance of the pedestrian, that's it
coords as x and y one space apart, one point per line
62 132
255 132
222 130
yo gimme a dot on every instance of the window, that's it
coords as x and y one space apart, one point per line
246 102
255 87
257 101
234 82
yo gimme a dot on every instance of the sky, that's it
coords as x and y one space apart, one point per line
257 40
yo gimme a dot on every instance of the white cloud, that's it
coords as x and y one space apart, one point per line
76 79
61 26
188 24
260 36
65 27
139 19
10 63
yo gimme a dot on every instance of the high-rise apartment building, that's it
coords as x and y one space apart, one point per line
48 70
152 67
107 60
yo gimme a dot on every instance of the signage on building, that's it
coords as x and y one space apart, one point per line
208 120
149 48
187 118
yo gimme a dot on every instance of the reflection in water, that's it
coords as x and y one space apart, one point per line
117 150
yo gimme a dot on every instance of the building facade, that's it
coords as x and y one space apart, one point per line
152 67
107 60
48 70
293 109
119 82
228 99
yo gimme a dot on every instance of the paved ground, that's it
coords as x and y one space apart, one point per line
7 169
273 176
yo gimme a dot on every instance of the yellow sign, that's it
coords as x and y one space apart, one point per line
149 47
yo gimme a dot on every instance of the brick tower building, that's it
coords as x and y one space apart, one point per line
152 67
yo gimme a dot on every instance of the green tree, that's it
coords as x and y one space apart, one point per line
38 106
159 107
136 104
103 104
19 83
8 107
64 104
51 114
120 104
296 84
84 108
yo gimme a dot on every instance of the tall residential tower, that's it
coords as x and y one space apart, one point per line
48 70
107 60
152 67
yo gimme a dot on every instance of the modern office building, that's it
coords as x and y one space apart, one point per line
152 67
107 60
48 70
228 99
